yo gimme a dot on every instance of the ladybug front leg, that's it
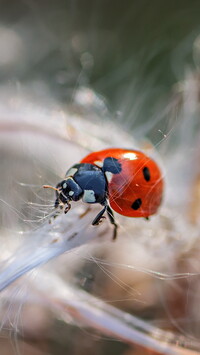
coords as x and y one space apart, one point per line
67 208
112 221
99 217
111 217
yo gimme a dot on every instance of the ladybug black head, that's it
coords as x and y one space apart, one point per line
62 193
67 190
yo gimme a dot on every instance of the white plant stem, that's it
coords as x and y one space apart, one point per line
46 243
89 311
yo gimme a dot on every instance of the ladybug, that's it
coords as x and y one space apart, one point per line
126 181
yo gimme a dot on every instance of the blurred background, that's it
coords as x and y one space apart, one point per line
130 53
82 75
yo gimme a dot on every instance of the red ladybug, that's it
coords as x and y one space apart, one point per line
124 180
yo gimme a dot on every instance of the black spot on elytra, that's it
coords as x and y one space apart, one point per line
136 204
146 173
112 165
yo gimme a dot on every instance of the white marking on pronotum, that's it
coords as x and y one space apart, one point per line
98 163
71 172
64 185
109 175
71 193
88 196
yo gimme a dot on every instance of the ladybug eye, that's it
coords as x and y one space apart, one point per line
136 204
146 173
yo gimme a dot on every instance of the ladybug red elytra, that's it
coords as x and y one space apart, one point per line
126 181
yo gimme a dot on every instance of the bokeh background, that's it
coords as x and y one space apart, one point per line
131 53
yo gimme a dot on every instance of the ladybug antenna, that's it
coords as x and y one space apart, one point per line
50 187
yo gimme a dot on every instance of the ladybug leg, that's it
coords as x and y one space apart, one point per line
99 217
67 208
111 217
57 212
112 221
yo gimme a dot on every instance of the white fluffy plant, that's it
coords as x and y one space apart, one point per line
145 269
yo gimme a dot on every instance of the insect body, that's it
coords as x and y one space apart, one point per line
126 181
